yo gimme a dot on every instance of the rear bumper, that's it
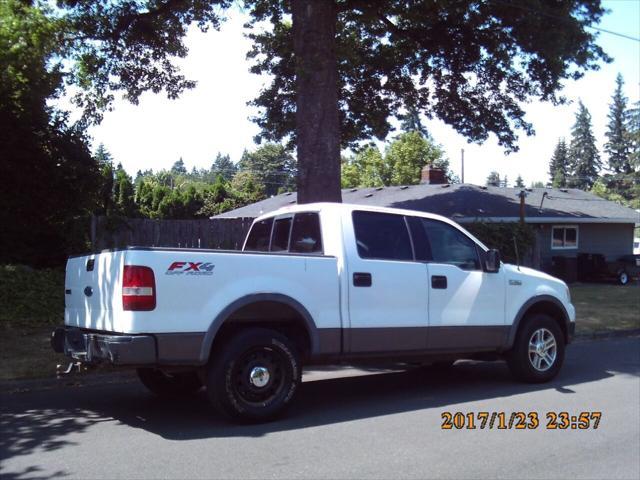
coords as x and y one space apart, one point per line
91 347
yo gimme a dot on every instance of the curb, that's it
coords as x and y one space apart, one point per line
606 334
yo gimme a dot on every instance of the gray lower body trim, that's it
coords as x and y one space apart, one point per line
329 341
467 337
427 339
387 339
179 348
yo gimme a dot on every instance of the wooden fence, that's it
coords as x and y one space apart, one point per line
226 233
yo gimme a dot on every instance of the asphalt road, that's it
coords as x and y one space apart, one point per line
344 424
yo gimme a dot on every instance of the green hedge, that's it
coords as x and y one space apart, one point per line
31 298
501 235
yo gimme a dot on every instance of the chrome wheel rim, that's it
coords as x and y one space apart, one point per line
259 376
543 349
624 278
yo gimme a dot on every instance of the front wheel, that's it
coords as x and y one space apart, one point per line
255 376
538 351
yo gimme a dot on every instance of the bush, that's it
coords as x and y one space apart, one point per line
31 298
501 235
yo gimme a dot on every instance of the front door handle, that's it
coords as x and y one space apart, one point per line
362 279
439 282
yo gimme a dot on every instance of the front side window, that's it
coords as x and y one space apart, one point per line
449 245
564 237
280 237
305 234
382 236
259 236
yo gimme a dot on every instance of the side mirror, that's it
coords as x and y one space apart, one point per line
492 261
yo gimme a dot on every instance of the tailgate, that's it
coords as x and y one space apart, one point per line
93 290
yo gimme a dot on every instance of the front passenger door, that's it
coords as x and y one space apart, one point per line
466 304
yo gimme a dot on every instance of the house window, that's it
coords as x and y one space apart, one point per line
564 237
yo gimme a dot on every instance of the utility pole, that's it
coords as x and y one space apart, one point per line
462 161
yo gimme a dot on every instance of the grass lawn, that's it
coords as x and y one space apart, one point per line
605 307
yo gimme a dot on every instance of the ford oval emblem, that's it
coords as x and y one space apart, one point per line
88 291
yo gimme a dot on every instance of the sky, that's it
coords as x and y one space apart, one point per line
214 116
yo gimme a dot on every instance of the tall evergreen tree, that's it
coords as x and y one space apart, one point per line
559 165
583 153
123 193
618 142
633 130
410 121
273 165
224 167
519 182
178 167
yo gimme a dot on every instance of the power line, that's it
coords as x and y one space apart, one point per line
563 19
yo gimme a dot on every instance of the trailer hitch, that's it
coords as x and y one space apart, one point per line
60 370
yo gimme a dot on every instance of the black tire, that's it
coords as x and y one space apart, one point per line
623 278
234 375
166 384
534 367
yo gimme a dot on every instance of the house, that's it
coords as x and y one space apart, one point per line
568 222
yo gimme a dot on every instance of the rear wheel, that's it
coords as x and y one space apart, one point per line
169 384
623 278
538 351
255 375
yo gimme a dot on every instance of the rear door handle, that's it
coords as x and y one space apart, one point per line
362 279
439 282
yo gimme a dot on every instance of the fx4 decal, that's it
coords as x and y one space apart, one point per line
190 268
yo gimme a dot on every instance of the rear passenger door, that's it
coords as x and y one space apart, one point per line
387 294
466 304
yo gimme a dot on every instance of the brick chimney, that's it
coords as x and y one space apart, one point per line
433 176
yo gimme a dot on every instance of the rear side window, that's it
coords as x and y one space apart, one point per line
449 245
280 239
382 236
305 234
259 236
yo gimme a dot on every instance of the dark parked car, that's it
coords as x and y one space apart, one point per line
593 266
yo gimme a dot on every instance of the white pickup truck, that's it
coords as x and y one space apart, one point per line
314 284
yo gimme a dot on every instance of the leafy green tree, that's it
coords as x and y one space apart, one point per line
357 61
51 182
584 158
223 166
493 180
248 187
273 165
408 154
372 168
618 145
559 165
519 182
537 184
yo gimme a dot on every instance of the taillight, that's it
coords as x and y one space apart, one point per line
138 288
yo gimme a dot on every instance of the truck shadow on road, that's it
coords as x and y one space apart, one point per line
45 420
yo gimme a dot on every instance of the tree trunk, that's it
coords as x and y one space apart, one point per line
317 117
